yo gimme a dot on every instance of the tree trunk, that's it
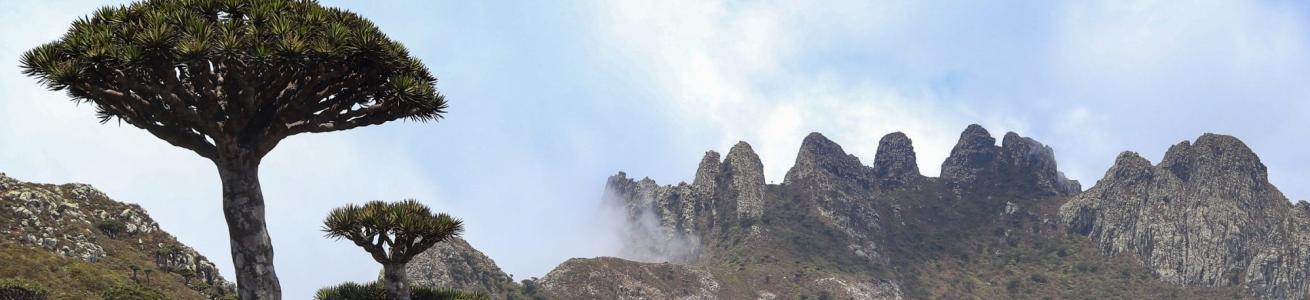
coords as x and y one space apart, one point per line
243 206
394 278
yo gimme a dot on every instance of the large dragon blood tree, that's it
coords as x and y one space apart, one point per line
228 80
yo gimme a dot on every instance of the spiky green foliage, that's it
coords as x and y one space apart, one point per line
111 227
131 292
391 232
18 288
375 291
200 72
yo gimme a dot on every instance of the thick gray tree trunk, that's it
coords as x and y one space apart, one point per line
396 281
243 206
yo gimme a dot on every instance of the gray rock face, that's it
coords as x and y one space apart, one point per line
821 160
664 223
977 158
972 155
744 172
895 161
1028 159
1205 216
672 223
842 190
456 264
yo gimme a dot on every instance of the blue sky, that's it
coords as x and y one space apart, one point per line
548 99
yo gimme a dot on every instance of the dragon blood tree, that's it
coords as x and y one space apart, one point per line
393 233
228 80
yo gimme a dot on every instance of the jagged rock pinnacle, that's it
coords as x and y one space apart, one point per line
1029 158
708 170
895 159
818 155
745 174
973 153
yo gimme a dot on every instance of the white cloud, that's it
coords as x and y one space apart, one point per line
1089 78
732 67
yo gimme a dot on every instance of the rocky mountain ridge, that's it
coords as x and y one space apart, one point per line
993 224
1000 221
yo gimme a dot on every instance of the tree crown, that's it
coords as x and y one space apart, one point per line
391 232
247 72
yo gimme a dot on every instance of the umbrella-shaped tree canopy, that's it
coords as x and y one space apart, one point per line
200 72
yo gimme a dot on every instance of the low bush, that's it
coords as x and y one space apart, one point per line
21 289
131 292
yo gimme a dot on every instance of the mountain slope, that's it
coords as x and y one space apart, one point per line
75 241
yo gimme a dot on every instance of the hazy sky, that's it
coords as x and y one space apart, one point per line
549 99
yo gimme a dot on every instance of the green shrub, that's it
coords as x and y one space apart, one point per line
111 227
375 291
22 289
131 292
424 293
351 291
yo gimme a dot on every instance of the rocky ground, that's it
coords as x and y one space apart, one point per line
77 242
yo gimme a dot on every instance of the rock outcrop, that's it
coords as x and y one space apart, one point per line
456 264
669 223
1206 215
976 158
895 162
842 192
80 222
821 161
744 174
973 155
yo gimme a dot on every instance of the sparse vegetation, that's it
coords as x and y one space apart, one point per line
376 291
131 292
21 289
